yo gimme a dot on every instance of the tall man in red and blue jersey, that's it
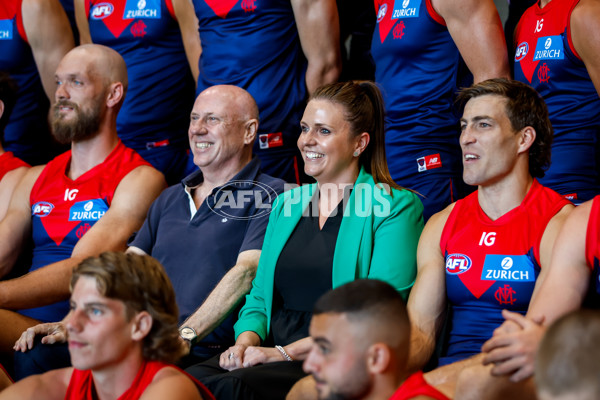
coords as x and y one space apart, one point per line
83 202
419 47
558 53
485 253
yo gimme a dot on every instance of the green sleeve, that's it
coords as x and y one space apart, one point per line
396 235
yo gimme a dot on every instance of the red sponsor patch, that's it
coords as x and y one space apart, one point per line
270 140
429 162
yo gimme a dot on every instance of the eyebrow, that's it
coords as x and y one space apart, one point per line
321 340
477 118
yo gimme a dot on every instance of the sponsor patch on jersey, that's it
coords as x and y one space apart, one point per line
549 48
429 162
497 267
570 196
406 9
6 29
142 9
270 140
457 263
521 52
41 209
88 210
101 10
382 11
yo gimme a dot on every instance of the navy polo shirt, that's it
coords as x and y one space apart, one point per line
197 248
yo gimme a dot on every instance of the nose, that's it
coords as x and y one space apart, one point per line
197 126
312 362
61 92
466 136
73 321
306 139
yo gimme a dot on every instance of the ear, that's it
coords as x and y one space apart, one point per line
142 323
115 94
527 136
378 358
362 141
250 129
1 108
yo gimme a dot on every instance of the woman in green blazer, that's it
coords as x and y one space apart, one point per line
355 222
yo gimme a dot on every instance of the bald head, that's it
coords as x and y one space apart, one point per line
97 61
241 103
566 366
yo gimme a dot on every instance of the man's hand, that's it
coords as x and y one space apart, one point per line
54 332
512 351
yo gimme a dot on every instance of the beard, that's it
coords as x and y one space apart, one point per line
355 387
85 125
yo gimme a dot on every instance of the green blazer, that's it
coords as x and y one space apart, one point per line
377 239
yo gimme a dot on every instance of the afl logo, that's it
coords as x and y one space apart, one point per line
41 209
382 12
457 264
102 10
522 50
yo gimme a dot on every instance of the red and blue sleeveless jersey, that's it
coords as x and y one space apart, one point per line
81 385
592 246
161 87
8 162
546 59
492 265
63 210
27 133
254 44
416 67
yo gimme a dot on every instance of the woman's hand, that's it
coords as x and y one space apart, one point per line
261 355
233 357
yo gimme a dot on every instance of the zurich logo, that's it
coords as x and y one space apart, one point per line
382 12
548 43
506 263
405 3
102 10
457 264
522 50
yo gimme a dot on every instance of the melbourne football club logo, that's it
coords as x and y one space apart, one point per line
457 264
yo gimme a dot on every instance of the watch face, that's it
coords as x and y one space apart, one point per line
187 333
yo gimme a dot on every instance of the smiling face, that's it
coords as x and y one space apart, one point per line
490 146
79 99
337 359
327 144
100 334
218 132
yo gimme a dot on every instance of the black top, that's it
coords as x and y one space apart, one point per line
303 273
